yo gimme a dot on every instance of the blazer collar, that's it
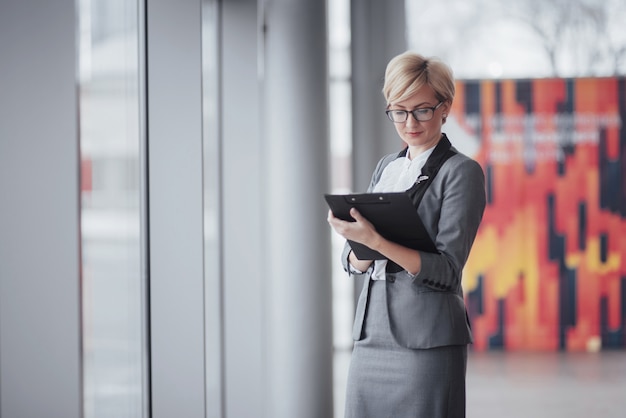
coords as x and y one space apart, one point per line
437 157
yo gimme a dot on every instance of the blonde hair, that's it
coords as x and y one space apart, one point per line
408 72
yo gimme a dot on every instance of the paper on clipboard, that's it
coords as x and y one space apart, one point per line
392 214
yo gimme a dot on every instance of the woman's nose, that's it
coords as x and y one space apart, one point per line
410 121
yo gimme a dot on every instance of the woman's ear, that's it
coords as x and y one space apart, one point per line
444 112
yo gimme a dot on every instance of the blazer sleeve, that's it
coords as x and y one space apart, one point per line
462 200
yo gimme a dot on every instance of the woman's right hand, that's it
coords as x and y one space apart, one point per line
361 231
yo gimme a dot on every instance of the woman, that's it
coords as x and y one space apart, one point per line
411 329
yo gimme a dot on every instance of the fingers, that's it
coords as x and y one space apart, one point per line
349 228
332 218
356 215
340 226
360 219
334 222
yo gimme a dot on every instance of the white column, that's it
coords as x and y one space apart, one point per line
241 215
40 327
295 156
176 208
378 34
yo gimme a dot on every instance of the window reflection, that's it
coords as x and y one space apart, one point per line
110 142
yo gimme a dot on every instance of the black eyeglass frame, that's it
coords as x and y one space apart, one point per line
414 113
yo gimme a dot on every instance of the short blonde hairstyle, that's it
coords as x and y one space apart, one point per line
408 72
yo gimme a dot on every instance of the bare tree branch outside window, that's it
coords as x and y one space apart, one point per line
525 38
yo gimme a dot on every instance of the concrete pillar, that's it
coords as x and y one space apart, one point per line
40 289
295 156
378 34
242 242
176 208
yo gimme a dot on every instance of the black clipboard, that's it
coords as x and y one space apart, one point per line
392 214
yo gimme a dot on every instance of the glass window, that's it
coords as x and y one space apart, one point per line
113 284
340 112
521 39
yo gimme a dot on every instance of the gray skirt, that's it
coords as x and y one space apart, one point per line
386 380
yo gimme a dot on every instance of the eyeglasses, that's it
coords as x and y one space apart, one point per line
421 114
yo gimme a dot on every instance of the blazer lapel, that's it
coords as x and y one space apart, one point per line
440 154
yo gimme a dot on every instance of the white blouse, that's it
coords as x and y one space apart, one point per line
398 176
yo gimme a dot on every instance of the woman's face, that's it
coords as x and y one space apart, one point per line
421 135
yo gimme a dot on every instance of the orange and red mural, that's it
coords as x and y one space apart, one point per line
548 267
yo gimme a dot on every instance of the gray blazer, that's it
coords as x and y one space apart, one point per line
427 310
